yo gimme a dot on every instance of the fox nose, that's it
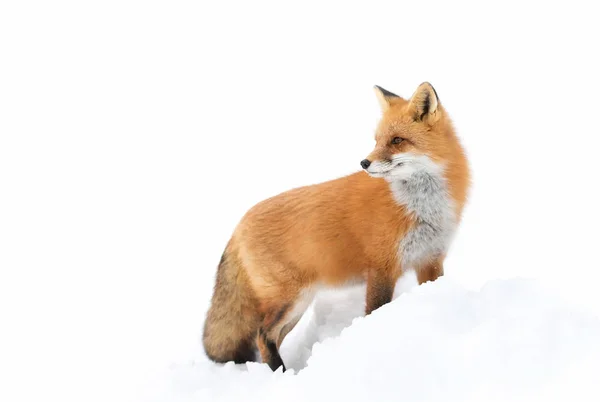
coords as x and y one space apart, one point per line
365 163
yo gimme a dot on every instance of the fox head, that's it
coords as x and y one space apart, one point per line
413 135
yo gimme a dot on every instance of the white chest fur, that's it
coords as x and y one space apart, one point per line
424 193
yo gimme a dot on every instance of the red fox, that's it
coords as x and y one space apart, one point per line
399 213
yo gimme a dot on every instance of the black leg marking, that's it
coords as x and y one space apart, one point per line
272 358
276 360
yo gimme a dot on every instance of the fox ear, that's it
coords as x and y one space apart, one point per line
424 104
384 97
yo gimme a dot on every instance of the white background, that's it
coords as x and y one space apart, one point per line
134 135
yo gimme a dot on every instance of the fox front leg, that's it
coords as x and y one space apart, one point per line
431 271
380 289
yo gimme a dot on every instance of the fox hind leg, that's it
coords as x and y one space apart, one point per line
278 322
268 350
268 333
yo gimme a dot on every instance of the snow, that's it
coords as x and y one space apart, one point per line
135 134
511 340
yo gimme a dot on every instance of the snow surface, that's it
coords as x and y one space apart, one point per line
134 135
512 340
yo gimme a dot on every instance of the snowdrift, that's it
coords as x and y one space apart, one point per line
511 340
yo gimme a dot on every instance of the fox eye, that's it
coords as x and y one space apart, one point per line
396 140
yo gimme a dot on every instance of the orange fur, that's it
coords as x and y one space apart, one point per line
344 230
